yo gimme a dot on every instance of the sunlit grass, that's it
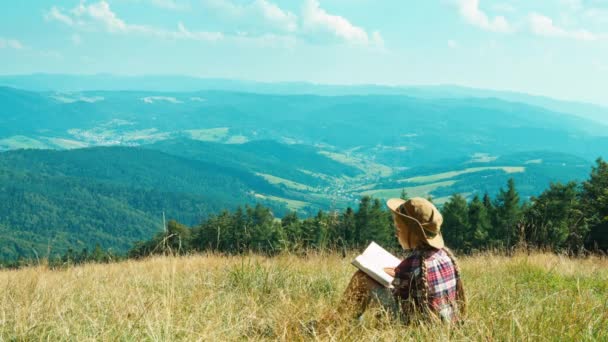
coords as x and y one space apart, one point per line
291 204
536 297
288 183
208 134
448 175
420 190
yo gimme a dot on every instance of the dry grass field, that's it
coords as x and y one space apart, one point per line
536 297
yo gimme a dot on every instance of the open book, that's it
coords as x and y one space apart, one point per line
373 261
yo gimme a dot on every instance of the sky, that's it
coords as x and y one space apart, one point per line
557 48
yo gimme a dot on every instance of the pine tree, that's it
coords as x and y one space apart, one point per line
292 229
594 202
491 212
98 254
554 219
456 223
362 220
238 224
178 238
479 222
347 227
508 216
322 231
379 228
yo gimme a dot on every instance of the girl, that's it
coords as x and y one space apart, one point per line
427 284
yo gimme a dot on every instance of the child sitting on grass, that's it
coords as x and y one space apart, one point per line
427 283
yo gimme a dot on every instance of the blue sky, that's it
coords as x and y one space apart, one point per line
548 47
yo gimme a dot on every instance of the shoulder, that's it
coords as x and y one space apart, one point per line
410 267
439 257
410 263
441 268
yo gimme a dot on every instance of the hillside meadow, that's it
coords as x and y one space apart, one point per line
212 297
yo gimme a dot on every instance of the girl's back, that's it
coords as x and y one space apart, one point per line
428 281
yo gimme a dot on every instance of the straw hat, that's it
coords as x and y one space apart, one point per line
419 213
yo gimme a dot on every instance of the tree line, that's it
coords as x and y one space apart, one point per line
571 217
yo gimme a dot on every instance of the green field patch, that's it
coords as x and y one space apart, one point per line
368 167
288 183
151 134
452 174
67 143
237 139
482 158
413 191
208 134
20 141
366 187
291 204
318 175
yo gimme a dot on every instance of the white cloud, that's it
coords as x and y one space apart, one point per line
315 18
10 44
470 11
274 14
266 40
572 4
544 26
259 13
184 33
57 15
452 44
263 23
170 5
99 15
504 7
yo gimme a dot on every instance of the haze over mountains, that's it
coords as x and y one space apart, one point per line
113 153
108 82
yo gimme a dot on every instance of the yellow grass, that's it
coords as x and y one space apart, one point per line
210 298
420 190
369 167
20 141
208 134
291 204
67 143
288 183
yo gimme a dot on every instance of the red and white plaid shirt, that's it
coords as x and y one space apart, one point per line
441 278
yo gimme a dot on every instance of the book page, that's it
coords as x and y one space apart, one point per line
373 261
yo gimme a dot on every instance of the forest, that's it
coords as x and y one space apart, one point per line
567 218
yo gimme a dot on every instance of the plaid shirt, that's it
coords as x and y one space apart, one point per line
441 279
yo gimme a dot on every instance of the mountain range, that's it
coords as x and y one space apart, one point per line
97 159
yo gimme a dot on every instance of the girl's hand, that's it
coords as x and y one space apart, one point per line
390 271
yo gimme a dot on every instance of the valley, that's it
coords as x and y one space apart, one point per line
129 156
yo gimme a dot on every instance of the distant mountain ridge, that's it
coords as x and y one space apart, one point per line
169 83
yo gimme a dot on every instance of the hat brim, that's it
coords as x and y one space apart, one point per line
436 241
